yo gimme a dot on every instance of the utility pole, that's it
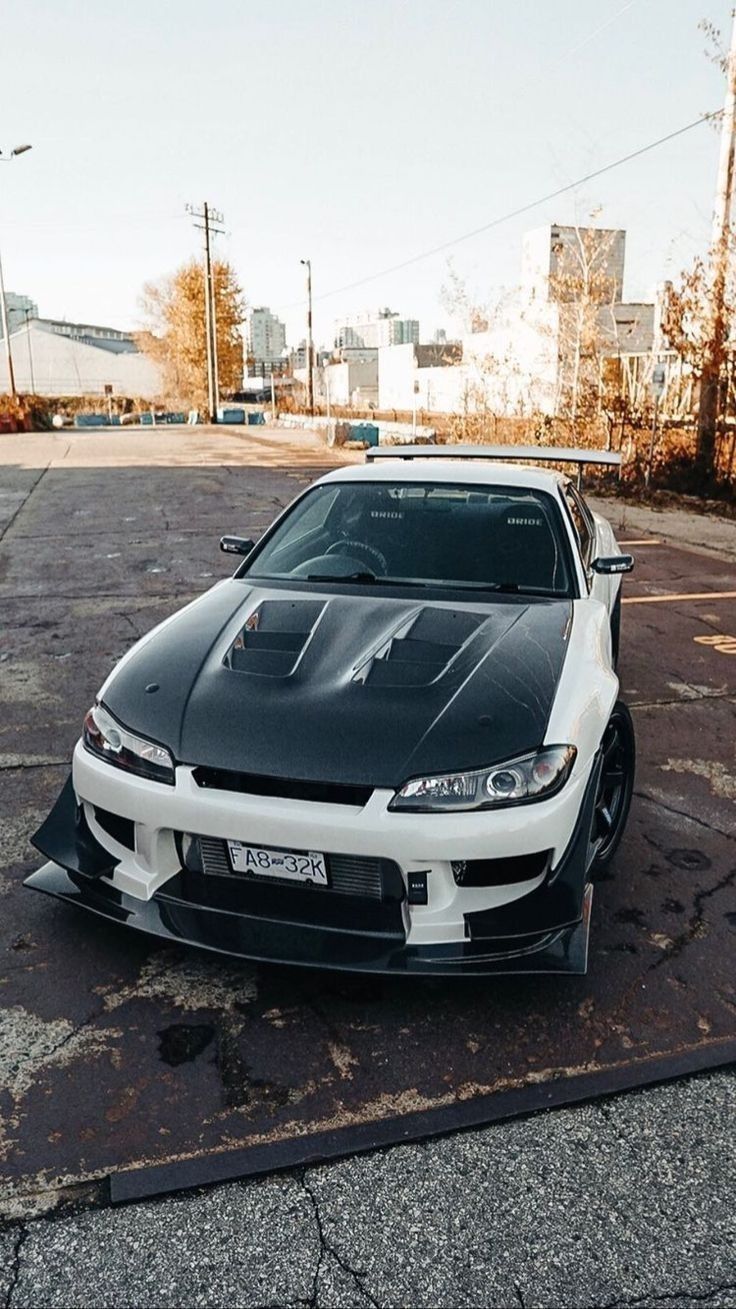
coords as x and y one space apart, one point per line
6 334
210 220
310 347
213 330
710 380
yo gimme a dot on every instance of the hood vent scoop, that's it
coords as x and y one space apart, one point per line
424 650
274 637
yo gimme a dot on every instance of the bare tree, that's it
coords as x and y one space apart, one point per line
585 288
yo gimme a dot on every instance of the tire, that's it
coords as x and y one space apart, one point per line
616 629
615 787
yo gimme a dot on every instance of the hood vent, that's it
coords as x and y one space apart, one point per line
274 637
424 650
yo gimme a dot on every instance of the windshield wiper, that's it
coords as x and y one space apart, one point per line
374 579
506 588
367 579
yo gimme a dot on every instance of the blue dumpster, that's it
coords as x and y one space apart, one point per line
92 420
367 432
231 415
256 419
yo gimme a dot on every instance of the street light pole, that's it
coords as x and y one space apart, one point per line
19 150
310 348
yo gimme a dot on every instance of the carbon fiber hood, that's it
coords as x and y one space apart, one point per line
352 686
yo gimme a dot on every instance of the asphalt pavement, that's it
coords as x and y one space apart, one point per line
625 1201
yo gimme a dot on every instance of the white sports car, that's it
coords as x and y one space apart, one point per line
392 741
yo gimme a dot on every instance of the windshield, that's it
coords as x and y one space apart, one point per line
421 534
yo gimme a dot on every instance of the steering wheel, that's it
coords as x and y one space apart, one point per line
332 566
350 547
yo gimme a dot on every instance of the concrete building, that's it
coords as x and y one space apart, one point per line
20 308
298 357
104 338
432 376
266 338
374 331
51 357
557 261
404 331
353 380
545 345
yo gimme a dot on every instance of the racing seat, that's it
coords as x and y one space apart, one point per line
527 551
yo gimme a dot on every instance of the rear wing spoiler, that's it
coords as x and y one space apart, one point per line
511 453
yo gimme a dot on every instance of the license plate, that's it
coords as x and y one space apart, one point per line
307 867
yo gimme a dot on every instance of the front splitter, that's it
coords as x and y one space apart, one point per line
563 951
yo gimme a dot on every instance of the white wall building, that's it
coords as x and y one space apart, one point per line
440 388
47 361
352 382
524 362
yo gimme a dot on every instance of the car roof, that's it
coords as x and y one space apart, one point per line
451 470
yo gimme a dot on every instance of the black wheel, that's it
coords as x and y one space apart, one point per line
616 630
615 786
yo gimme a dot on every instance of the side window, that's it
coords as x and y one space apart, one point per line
582 523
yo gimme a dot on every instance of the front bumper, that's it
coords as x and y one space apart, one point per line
537 926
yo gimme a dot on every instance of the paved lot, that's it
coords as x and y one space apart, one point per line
625 1201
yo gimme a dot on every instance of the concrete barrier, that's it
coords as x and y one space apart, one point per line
388 433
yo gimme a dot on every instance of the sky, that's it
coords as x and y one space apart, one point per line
354 134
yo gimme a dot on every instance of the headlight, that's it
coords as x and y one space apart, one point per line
533 777
105 737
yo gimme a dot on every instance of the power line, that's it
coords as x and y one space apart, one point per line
579 45
512 213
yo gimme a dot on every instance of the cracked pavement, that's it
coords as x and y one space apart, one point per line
627 1201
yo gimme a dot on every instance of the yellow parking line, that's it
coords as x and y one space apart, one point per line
648 541
687 595
719 641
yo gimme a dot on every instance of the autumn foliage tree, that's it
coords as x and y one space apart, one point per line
687 323
174 333
688 309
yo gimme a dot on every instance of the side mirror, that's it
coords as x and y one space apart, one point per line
613 564
236 545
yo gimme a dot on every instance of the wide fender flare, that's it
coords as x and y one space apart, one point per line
588 687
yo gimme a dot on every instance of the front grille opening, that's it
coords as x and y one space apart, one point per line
364 896
120 829
222 779
354 875
500 872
